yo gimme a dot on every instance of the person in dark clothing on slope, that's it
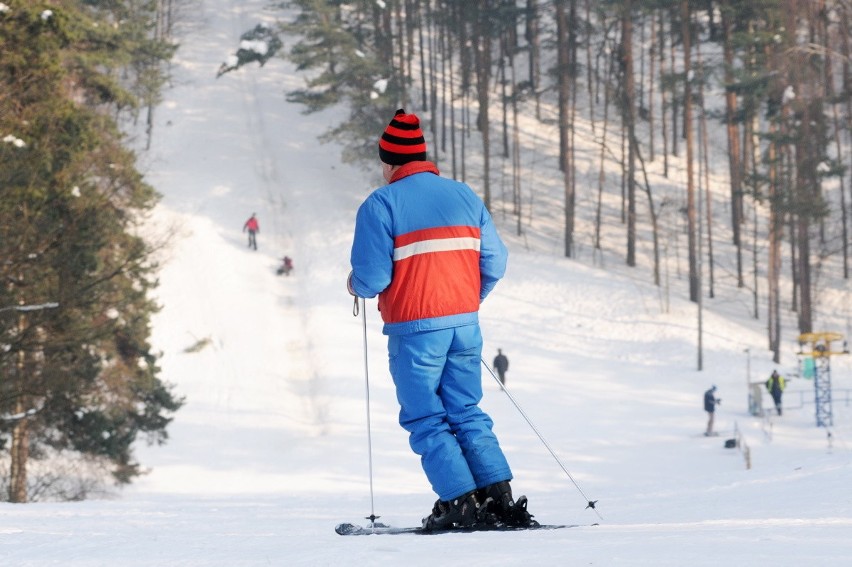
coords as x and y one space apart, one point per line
426 245
252 227
710 403
776 385
501 365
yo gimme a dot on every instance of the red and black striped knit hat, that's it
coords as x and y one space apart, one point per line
402 141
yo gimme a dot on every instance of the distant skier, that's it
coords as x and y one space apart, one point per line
776 385
286 267
710 403
501 365
253 228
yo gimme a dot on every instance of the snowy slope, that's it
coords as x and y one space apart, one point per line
271 449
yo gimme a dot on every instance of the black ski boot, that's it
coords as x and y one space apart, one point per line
507 510
462 512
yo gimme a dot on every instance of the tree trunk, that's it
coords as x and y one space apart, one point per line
433 82
572 114
804 248
564 82
687 123
805 190
807 147
652 211
705 174
504 95
411 20
836 127
534 41
734 157
629 112
601 177
422 45
19 451
675 98
482 41
404 60
602 155
465 87
750 150
452 106
516 151
774 268
442 53
663 121
846 90
651 69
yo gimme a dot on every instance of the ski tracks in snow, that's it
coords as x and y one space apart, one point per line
265 111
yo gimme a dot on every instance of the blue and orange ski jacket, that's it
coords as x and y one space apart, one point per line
426 245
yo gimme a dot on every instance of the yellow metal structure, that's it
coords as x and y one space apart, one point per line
820 344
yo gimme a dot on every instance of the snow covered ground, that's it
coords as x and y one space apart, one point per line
270 451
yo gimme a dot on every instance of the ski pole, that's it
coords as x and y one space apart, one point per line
591 503
372 517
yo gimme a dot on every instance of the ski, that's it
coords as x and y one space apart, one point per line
347 529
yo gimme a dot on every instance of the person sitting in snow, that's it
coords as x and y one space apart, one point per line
286 267
426 245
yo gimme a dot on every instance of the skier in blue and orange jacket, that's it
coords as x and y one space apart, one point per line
426 245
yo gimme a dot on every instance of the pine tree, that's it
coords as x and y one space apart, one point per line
345 50
79 378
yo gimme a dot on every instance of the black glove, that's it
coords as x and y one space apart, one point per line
349 287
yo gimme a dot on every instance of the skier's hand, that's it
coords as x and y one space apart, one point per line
349 287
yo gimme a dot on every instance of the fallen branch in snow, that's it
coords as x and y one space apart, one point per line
258 44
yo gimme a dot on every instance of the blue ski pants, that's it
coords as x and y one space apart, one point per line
439 385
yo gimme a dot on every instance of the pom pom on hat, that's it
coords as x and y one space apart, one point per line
402 141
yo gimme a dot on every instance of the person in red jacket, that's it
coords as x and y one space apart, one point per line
253 228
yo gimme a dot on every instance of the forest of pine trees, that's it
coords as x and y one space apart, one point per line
655 86
660 82
78 380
